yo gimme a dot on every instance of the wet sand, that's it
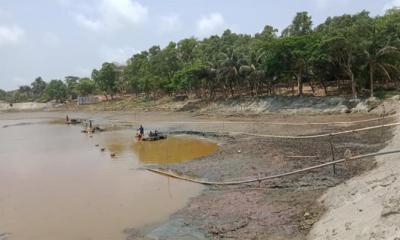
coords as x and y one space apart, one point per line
56 184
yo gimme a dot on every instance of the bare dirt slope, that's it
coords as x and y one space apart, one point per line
367 206
28 106
238 105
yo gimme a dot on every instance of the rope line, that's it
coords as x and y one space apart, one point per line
301 156
260 179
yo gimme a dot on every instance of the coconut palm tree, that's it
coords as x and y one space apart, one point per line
228 70
252 73
378 60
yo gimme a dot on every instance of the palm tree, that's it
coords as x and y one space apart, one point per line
251 71
378 60
228 70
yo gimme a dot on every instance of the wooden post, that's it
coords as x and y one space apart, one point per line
259 181
383 120
333 153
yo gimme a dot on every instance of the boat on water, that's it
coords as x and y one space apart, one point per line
154 138
151 136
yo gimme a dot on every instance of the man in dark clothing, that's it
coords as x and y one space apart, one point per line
141 130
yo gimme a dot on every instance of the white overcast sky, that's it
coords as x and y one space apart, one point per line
55 38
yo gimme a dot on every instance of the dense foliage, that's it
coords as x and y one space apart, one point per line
360 51
57 90
357 49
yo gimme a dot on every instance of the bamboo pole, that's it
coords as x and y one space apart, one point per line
301 156
259 179
383 120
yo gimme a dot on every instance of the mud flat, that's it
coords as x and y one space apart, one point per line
284 208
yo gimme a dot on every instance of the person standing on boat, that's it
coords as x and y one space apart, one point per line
141 130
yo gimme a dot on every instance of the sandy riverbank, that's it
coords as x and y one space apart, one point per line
28 106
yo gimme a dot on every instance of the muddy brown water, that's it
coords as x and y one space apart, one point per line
56 184
172 150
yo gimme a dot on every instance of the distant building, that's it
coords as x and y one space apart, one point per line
84 100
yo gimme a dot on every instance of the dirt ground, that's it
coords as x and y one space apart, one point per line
366 206
279 209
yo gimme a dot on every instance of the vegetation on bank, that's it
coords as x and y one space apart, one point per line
57 90
358 50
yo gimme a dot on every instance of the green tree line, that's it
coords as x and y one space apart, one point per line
57 90
359 50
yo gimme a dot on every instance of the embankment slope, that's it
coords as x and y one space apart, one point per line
28 106
367 206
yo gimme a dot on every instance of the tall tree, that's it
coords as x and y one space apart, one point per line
137 73
187 50
3 95
379 61
106 79
38 86
86 86
301 25
343 38
56 90
72 85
